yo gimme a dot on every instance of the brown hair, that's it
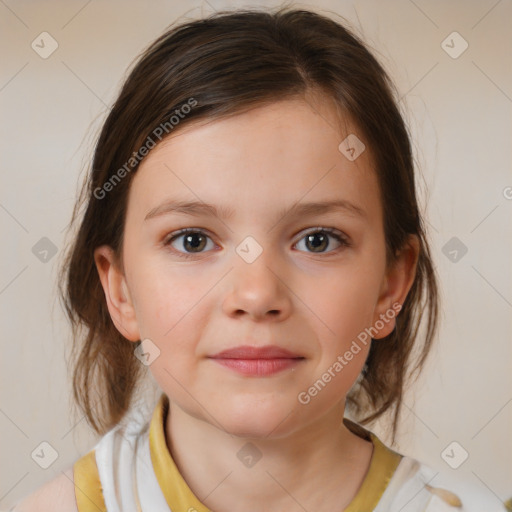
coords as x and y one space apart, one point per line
228 63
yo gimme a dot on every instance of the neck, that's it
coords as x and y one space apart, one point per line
321 464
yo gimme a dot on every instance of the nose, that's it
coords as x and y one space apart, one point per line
258 290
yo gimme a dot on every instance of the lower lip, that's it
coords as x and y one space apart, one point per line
258 367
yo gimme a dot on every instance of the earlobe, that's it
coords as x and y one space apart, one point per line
398 281
117 294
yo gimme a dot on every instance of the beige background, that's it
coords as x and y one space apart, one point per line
459 112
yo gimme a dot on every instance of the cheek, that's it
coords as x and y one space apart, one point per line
174 309
344 301
164 296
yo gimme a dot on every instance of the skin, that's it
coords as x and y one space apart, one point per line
312 303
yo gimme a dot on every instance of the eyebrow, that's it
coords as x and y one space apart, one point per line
198 208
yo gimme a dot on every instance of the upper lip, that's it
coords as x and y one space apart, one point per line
250 352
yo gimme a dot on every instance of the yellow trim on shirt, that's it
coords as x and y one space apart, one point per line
88 490
180 498
176 491
383 464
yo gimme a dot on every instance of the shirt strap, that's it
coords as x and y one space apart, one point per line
88 490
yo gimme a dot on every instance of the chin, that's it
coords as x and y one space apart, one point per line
257 419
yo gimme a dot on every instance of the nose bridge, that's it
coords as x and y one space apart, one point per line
256 285
256 263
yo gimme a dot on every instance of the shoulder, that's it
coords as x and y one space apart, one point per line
57 495
429 490
79 487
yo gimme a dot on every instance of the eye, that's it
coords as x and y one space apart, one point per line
318 239
193 241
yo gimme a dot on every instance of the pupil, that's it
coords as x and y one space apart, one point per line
312 237
188 239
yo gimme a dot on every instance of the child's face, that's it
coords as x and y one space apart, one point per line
314 304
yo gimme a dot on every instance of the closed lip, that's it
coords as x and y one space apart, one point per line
249 352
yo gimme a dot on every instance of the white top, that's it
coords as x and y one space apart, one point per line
131 469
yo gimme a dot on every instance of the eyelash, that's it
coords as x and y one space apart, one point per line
330 231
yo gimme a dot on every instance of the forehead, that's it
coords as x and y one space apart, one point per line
258 160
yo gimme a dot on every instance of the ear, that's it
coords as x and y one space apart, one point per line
117 295
396 284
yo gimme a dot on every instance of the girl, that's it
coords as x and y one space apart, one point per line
252 237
